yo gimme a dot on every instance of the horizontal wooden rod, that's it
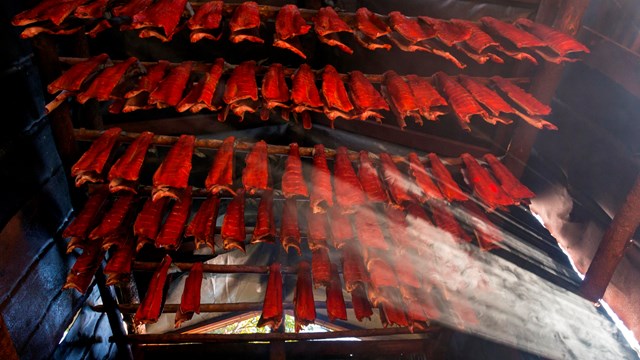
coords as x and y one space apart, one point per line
202 67
297 349
210 308
204 338
213 268
128 137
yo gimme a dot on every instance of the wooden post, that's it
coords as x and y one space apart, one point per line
612 247
7 349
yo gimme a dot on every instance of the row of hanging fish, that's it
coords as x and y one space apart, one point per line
130 86
378 259
488 39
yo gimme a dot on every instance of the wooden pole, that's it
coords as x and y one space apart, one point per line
207 308
612 247
207 338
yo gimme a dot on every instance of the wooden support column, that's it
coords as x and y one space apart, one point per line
565 16
7 349
612 247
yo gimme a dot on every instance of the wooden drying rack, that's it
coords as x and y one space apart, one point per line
564 15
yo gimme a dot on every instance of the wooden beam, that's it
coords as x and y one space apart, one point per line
208 338
612 247
217 307
7 348
564 15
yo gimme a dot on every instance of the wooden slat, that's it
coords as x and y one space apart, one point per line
613 60
212 308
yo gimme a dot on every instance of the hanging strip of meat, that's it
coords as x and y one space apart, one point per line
265 229
406 271
558 41
341 230
190 301
304 94
409 28
369 27
130 8
272 305
397 184
524 99
289 26
487 190
233 230
361 306
202 94
320 267
90 166
245 22
124 173
55 11
293 184
430 103
169 91
462 102
327 25
416 316
113 218
241 91
487 234
444 180
255 175
349 193
531 106
170 236
366 99
118 269
321 196
151 306
88 217
392 308
490 99
353 269
81 274
381 273
419 225
370 181
477 43
401 98
289 230
317 233
334 93
444 220
336 308
423 180
448 32
368 229
304 308
518 37
397 229
103 84
220 175
164 14
138 97
172 177
509 183
275 91
203 225
205 23
147 224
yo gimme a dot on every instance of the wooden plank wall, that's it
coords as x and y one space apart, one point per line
34 310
